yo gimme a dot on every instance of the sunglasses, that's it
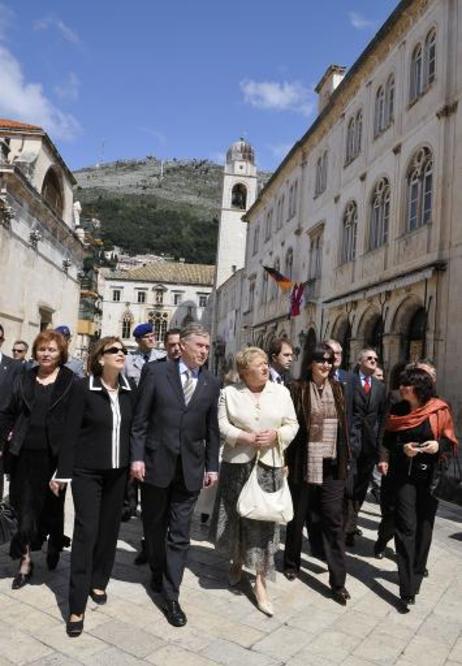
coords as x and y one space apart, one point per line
323 361
116 350
19 351
372 358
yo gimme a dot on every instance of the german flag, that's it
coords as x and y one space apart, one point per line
283 282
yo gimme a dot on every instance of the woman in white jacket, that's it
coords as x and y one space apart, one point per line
254 415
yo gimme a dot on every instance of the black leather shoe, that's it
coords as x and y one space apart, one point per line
290 574
350 540
379 549
22 579
99 599
405 602
341 596
174 613
53 555
142 557
156 584
425 573
74 629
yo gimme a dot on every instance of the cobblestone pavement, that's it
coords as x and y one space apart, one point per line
225 627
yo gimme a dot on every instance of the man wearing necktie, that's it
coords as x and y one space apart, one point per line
174 452
366 428
281 355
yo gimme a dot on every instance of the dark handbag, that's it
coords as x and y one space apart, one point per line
448 480
8 522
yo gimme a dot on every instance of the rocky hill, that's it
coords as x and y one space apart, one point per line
149 206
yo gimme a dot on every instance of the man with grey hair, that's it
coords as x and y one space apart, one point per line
366 428
174 453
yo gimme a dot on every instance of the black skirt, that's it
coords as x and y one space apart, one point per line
32 499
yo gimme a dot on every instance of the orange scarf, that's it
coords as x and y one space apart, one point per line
439 415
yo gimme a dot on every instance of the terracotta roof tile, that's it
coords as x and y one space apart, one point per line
166 271
17 125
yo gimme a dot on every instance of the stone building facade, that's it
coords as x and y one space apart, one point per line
364 209
40 253
170 294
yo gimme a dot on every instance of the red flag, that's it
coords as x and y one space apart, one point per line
296 298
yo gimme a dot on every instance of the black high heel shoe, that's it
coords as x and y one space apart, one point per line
99 599
53 556
22 579
74 628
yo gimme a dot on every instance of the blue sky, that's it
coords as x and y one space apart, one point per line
184 78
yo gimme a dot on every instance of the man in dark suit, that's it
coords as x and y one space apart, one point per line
175 444
9 370
345 377
281 356
367 423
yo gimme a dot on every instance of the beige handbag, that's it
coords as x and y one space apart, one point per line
258 504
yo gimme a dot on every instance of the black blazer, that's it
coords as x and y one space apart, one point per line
89 441
368 419
15 416
164 427
9 370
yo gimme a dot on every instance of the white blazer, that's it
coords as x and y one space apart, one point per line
238 411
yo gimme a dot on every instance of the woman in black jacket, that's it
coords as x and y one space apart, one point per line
318 460
95 458
419 434
36 415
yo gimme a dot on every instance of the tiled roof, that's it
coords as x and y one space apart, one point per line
166 271
17 125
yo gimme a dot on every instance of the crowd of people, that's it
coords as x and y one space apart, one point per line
157 428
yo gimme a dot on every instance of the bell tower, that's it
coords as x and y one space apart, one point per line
239 193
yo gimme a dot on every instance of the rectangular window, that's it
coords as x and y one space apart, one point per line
256 234
202 301
141 297
116 294
177 298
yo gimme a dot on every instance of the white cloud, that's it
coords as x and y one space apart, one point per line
360 22
279 150
276 96
69 90
64 30
25 101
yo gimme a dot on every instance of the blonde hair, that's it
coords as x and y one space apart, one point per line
245 357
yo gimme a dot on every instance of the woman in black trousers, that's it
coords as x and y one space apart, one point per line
95 458
418 434
36 415
318 460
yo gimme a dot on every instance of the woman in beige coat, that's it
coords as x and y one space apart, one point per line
254 415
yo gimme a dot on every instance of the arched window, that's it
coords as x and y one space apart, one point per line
269 224
264 288
239 196
358 132
430 59
420 190
280 212
350 232
126 325
321 174
274 284
52 192
380 214
350 141
416 73
390 101
289 263
379 119
159 321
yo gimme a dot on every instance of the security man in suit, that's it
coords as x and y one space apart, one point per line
281 356
9 370
366 428
174 452
146 340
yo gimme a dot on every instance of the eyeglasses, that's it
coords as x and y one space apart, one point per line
372 358
323 361
116 350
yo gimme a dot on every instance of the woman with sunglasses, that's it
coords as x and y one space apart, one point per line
318 460
419 435
95 457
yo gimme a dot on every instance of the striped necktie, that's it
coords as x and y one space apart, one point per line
188 386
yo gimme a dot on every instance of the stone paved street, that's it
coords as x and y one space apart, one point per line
225 627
